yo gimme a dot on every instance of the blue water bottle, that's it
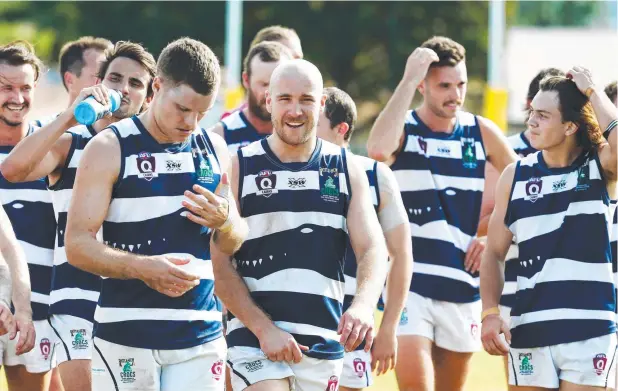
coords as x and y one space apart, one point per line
90 110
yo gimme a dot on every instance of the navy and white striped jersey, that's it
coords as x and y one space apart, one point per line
73 291
561 221
238 131
521 146
146 217
441 177
293 259
29 208
370 167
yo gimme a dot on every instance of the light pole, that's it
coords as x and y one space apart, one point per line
234 92
496 94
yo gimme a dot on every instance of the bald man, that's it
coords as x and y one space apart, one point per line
294 190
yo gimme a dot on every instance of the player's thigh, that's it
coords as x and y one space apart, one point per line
525 388
268 385
451 369
19 379
414 369
568 386
55 383
76 375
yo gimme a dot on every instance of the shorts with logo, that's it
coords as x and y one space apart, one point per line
591 362
40 359
74 336
356 370
451 326
249 365
123 368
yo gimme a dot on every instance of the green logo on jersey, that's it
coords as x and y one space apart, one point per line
525 365
468 152
80 340
205 172
127 375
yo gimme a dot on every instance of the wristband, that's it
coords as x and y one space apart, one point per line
609 128
489 311
589 91
227 224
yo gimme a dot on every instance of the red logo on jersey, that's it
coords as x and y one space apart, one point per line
45 346
333 382
146 165
217 370
474 328
599 361
359 367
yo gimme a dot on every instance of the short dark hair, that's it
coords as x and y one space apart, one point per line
72 54
133 51
274 33
449 52
340 107
533 88
191 62
268 51
20 52
575 107
610 91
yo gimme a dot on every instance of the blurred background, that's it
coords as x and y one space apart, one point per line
360 47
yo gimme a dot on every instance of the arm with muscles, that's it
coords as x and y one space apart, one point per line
499 154
213 210
492 269
606 114
20 278
386 134
45 151
367 241
276 344
97 172
394 222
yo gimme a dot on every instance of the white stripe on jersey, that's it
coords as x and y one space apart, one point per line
510 288
562 314
292 328
183 163
561 269
531 227
128 210
298 281
274 222
37 255
350 285
73 294
312 181
39 298
446 272
419 180
441 230
570 183
113 314
28 195
61 200
449 149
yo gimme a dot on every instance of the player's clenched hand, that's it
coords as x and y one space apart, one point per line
418 64
472 262
25 327
207 208
582 78
163 274
356 325
99 92
279 345
7 322
493 327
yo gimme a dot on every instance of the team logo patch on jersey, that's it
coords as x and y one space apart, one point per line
558 185
599 361
525 364
127 374
359 367
45 347
329 184
146 165
266 183
422 144
80 340
583 177
443 149
534 188
333 384
217 370
205 173
468 152
173 165
296 182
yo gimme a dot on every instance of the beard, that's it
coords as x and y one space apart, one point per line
297 136
16 123
258 108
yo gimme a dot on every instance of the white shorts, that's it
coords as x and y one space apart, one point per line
74 336
121 368
505 314
451 326
40 359
356 370
587 363
249 366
